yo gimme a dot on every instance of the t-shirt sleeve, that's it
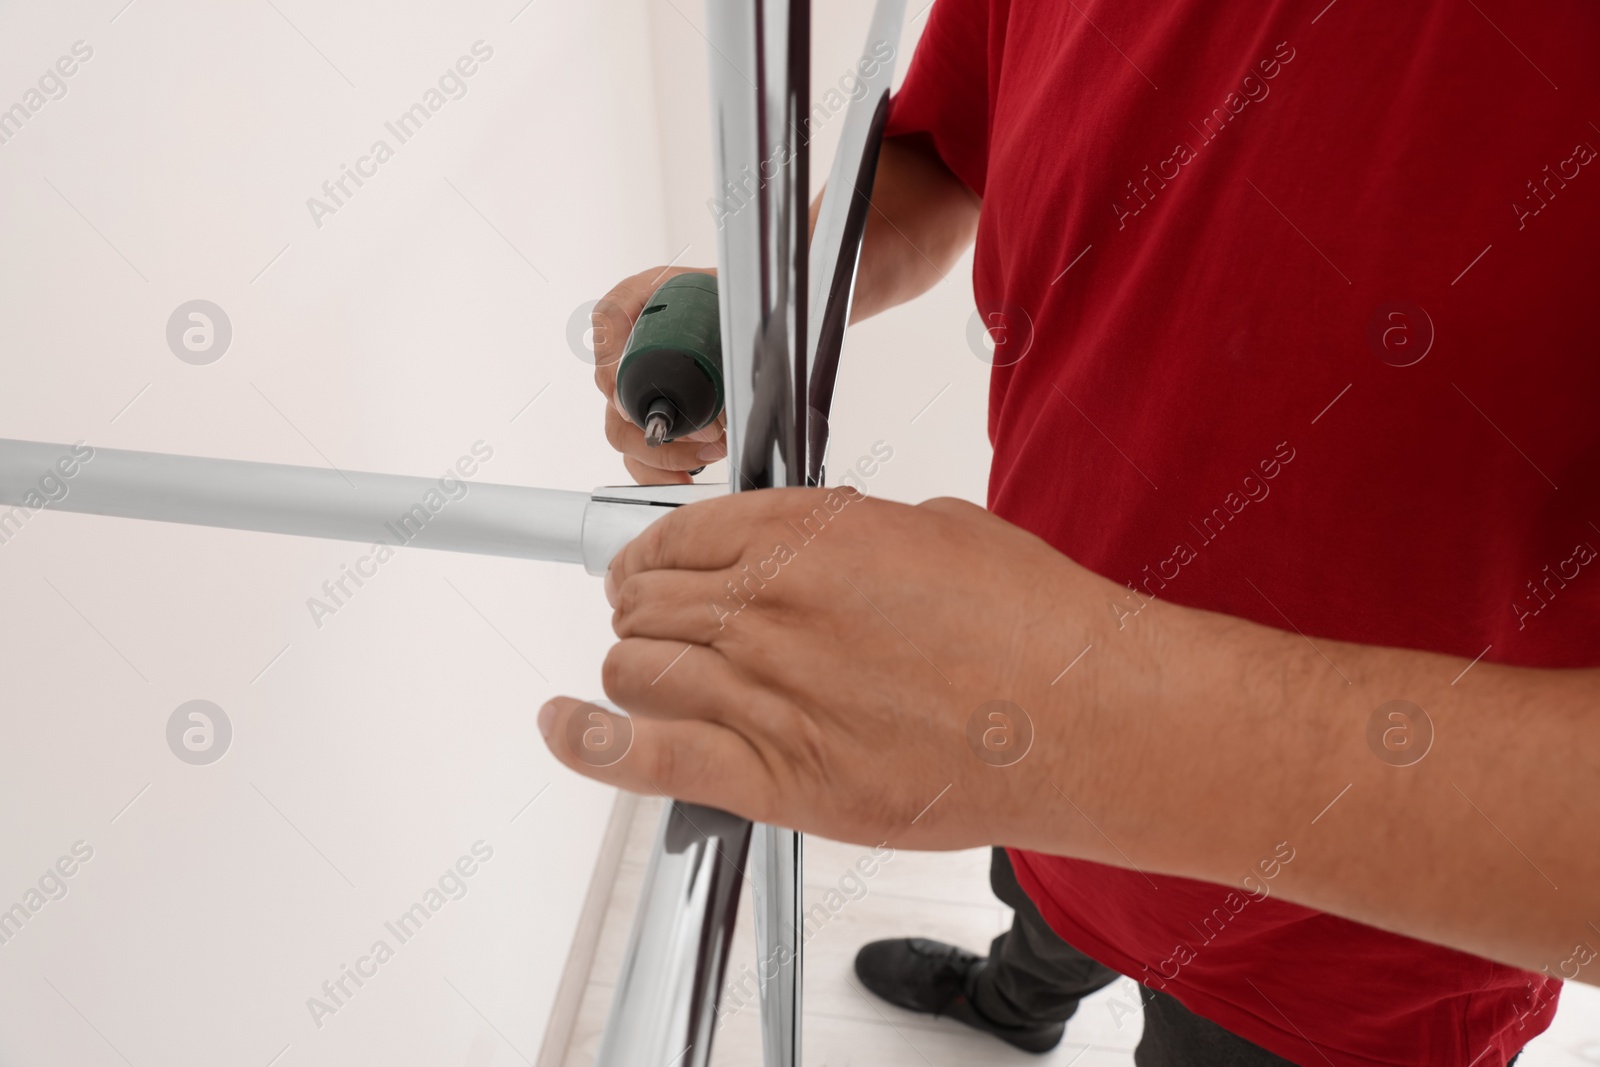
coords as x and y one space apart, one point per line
945 96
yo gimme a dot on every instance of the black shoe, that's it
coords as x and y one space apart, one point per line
937 979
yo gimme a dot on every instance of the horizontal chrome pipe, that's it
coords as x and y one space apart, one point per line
451 513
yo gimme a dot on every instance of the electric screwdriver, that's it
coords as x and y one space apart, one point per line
670 378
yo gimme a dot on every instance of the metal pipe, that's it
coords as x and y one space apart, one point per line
760 55
777 876
759 51
777 435
681 934
449 513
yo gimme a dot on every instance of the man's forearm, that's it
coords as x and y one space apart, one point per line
1450 801
922 218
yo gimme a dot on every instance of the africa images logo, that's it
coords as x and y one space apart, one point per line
199 732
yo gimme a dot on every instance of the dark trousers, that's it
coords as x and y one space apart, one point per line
1033 976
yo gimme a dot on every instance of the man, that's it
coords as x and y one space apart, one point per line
1271 661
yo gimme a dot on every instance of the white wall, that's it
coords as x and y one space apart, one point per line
417 320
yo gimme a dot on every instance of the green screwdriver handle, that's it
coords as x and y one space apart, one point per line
670 378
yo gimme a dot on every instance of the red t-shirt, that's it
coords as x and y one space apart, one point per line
1293 301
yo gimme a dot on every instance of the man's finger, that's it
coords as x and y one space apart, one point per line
644 474
707 536
677 680
700 762
691 606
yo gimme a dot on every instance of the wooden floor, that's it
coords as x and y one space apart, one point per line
940 895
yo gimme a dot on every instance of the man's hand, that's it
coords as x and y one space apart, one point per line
866 670
613 318
924 676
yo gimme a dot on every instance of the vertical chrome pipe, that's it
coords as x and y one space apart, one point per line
665 1008
760 54
775 328
777 871
664 1011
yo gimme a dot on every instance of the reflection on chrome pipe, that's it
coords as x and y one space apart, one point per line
760 58
665 1008
841 222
